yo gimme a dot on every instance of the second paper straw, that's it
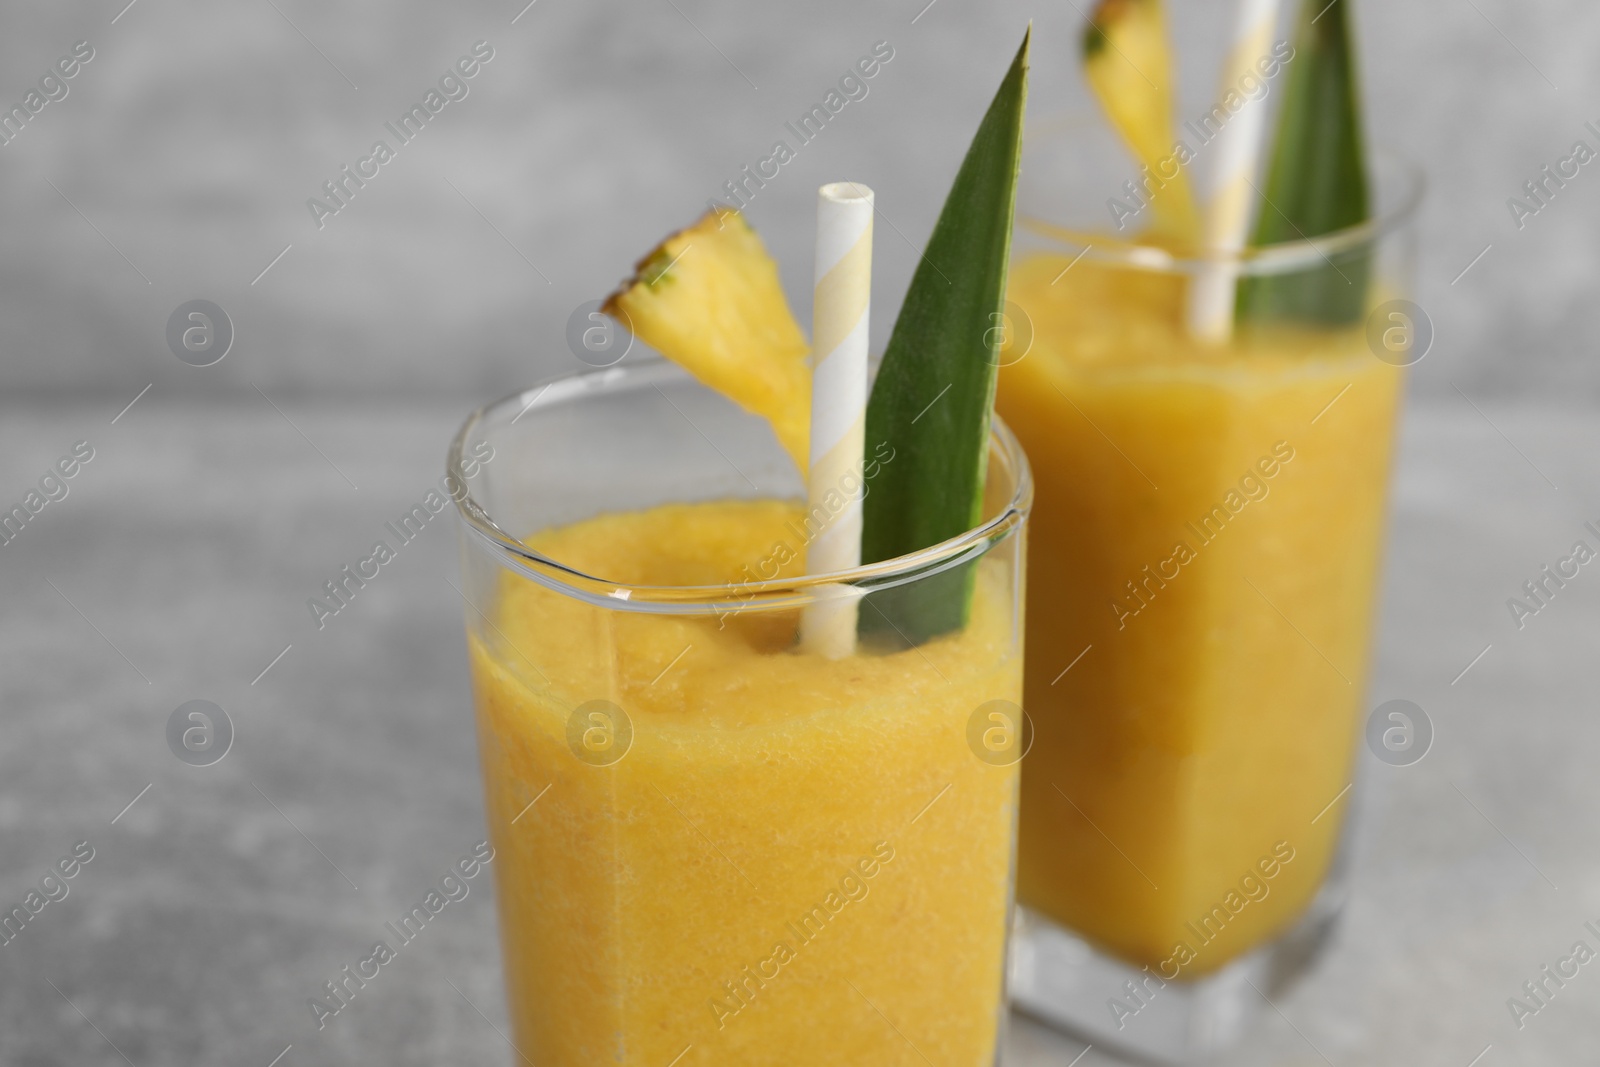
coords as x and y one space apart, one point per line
1237 147
835 486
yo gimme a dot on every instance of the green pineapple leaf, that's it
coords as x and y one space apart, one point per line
1316 183
934 392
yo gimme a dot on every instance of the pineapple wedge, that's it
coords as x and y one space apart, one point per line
709 299
1129 67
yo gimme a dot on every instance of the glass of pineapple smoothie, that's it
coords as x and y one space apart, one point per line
712 848
1203 574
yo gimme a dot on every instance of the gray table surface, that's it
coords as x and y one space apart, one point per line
178 568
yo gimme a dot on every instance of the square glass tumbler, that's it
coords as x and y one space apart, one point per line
1203 574
711 847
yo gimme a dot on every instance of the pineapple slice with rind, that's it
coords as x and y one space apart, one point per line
709 299
1129 66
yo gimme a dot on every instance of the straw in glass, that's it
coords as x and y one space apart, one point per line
836 485
1236 153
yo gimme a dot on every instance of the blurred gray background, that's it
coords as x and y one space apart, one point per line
178 167
193 139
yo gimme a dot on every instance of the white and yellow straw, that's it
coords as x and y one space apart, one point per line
838 410
1236 151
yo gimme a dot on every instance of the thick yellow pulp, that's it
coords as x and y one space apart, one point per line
1208 729
797 862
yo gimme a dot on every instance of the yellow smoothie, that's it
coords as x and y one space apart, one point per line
797 861
1206 537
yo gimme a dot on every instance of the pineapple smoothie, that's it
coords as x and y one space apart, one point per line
1207 538
794 861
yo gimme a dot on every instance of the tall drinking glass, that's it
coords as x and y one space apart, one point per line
1202 582
711 847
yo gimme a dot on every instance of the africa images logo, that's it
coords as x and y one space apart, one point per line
342 188
341 589
53 87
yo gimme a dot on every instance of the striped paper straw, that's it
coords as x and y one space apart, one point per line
838 411
1212 293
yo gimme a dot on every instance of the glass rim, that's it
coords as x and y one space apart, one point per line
1406 177
767 594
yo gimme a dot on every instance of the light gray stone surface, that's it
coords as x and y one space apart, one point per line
178 568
